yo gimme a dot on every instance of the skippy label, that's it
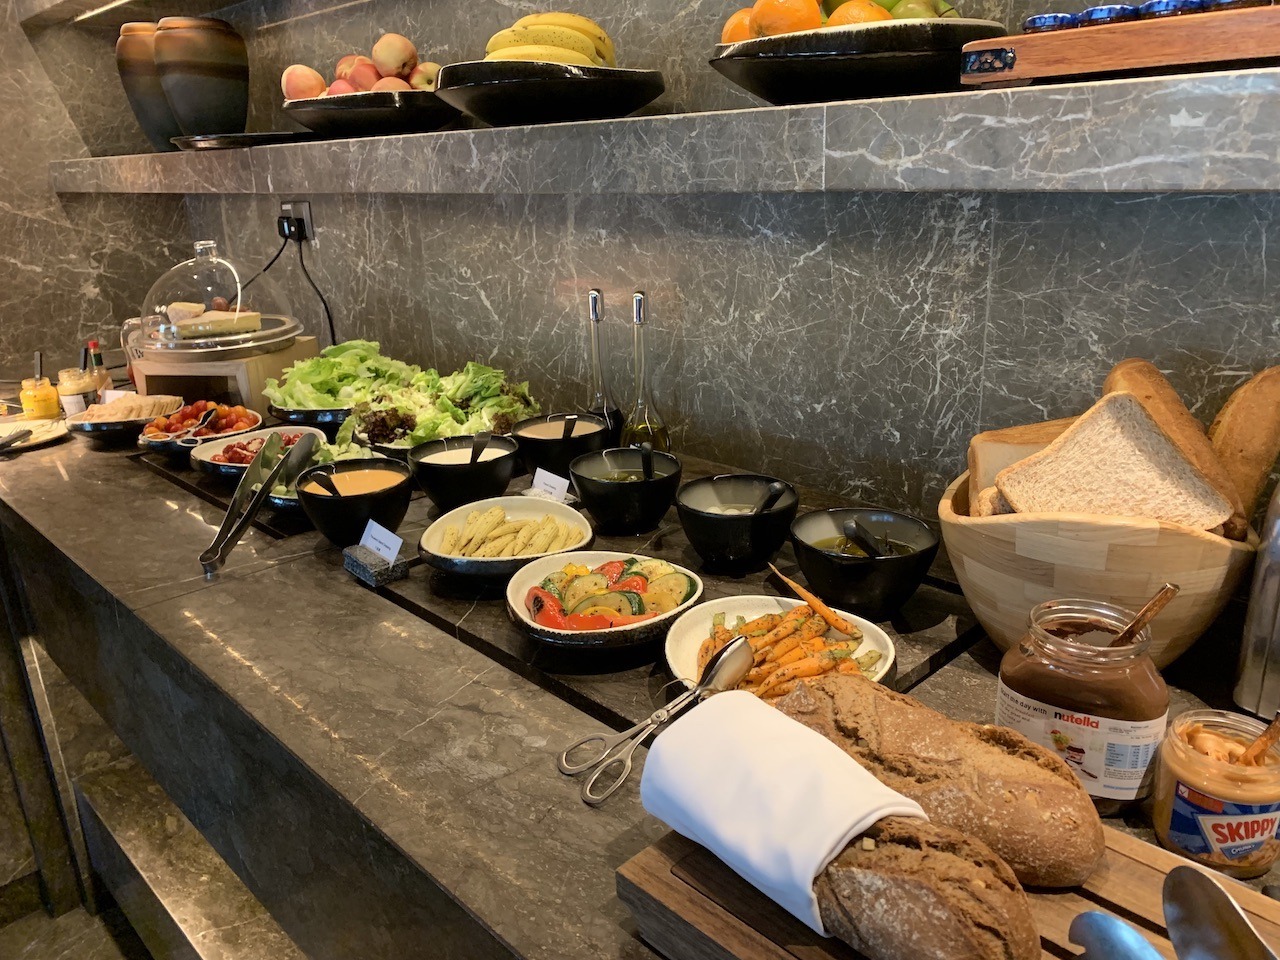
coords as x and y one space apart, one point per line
1110 757
1202 824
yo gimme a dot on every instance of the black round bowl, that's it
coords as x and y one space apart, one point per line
343 519
554 454
625 507
451 485
327 420
734 541
872 587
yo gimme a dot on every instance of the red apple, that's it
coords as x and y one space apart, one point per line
395 56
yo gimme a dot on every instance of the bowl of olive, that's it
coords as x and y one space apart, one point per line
612 486
841 571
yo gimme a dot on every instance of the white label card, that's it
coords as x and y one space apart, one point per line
558 487
381 541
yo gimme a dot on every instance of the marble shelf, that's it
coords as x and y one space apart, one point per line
1186 133
41 13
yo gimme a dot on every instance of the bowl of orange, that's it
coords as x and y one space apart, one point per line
804 51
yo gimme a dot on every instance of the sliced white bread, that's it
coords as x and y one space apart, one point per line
989 504
993 450
1246 435
1115 460
1155 393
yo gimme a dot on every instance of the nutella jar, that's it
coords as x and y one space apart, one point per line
1102 709
1211 809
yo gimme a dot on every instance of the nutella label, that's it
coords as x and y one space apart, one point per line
1110 757
1203 825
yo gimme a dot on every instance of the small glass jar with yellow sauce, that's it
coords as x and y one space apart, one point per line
77 389
39 399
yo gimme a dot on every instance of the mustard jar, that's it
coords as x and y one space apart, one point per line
39 399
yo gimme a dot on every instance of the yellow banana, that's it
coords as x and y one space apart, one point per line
584 25
544 54
542 35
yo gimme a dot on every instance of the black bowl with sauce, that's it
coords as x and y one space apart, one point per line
611 485
343 519
714 514
872 587
451 485
544 446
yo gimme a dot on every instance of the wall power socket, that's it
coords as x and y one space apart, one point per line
300 210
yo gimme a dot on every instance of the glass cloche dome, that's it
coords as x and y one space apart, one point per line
209 298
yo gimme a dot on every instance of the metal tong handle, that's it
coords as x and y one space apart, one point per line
609 742
13 439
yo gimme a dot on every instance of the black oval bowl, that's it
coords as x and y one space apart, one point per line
735 542
625 507
518 92
554 454
327 420
451 485
373 113
343 519
872 587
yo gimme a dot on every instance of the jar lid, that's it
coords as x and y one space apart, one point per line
137 27
33 383
1169 8
1215 5
1044 22
1109 13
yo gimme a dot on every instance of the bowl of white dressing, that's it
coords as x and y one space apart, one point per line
718 517
443 469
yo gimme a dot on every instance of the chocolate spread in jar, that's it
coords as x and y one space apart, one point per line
1102 709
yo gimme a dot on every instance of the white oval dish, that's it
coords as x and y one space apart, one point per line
628 636
517 508
202 456
687 633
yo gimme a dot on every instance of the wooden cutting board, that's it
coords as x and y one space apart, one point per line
1224 39
690 906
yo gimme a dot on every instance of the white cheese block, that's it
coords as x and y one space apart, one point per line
214 323
180 310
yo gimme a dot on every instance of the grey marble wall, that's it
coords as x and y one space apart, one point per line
852 341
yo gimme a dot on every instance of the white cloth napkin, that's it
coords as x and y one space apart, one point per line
767 795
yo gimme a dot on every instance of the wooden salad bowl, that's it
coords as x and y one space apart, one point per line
1008 564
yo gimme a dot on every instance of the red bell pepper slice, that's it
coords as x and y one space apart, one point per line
592 621
634 583
612 570
545 609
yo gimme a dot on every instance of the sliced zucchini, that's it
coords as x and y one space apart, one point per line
580 588
678 586
633 566
554 584
651 570
659 603
622 601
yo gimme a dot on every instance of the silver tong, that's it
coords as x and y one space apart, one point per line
724 671
248 501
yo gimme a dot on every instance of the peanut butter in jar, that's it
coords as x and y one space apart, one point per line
1208 807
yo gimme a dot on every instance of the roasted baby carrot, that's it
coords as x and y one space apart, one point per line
813 627
787 626
834 620
802 669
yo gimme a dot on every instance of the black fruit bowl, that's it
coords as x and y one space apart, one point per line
505 93
327 420
625 507
374 113
872 587
734 541
554 454
343 519
451 485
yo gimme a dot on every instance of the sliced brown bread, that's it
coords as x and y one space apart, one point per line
988 782
1246 435
909 889
1115 460
993 450
989 504
1156 394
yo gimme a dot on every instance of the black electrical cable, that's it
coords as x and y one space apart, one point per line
270 263
333 336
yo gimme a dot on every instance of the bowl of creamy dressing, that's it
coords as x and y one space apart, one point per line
716 513
443 469
543 444
378 489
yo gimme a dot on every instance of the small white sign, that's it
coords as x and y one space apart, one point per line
381 541
544 480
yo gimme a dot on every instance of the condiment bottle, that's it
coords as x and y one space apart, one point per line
100 372
644 424
39 399
1209 809
1102 709
601 404
76 390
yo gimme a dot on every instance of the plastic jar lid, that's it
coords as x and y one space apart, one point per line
1045 22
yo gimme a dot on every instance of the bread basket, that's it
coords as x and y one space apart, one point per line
1007 564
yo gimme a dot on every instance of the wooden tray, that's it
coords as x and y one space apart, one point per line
1223 39
690 906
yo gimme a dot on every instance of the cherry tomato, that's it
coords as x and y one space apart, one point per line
611 571
223 411
635 583
545 609
160 422
174 426
199 407
203 432
242 425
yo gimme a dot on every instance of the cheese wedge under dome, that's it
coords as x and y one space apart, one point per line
215 323
180 310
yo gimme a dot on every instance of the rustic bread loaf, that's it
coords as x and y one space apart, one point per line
909 889
1115 460
988 782
993 450
1246 435
1156 394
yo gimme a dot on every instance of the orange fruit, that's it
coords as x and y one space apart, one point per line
858 11
737 27
772 17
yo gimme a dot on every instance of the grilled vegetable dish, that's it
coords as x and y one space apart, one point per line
614 594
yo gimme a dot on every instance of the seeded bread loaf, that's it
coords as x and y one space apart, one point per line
988 782
909 889
1246 435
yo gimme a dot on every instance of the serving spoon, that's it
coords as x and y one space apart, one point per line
772 494
1145 615
569 422
857 533
478 444
646 460
325 479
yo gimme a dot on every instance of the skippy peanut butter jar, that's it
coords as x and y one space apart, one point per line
1210 808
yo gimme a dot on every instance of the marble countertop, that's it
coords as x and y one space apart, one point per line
1191 132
